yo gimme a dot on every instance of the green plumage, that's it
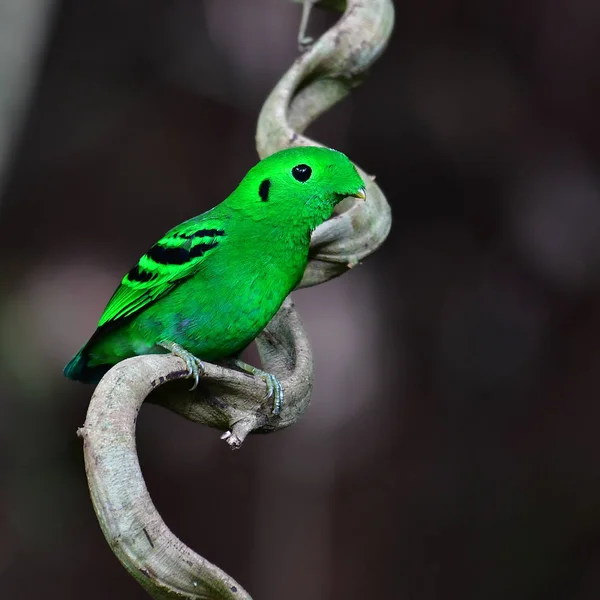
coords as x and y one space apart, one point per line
212 283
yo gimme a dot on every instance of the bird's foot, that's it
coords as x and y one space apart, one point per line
274 389
194 365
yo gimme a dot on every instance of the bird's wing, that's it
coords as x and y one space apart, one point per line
174 258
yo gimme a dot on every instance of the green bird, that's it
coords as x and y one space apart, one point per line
209 286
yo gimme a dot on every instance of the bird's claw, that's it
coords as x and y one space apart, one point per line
194 365
195 370
274 389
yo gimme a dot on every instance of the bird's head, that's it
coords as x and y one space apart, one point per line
301 185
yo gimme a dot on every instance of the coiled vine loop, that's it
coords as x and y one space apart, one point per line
230 400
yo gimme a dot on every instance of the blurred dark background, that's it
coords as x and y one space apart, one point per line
451 449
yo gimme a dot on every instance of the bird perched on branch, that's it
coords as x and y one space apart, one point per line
209 286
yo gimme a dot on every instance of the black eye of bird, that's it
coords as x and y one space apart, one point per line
302 173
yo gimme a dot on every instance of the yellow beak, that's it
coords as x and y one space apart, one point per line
362 194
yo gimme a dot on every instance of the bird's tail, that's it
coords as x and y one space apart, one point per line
79 370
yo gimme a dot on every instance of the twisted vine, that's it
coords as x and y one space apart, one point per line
230 400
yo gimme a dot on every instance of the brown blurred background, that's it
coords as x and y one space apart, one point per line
451 449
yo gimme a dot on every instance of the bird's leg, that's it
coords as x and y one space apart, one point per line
304 41
194 365
274 389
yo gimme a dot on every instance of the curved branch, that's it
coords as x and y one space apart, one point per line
138 536
316 81
227 399
233 401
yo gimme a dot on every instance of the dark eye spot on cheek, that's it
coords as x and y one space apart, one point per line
263 190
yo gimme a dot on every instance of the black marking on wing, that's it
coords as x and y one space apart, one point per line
168 256
140 275
164 255
202 233
200 249
263 190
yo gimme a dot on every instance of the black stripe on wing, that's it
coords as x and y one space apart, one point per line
208 233
169 255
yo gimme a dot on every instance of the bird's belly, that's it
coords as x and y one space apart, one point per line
213 321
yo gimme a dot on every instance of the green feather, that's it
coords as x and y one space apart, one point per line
174 258
211 284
